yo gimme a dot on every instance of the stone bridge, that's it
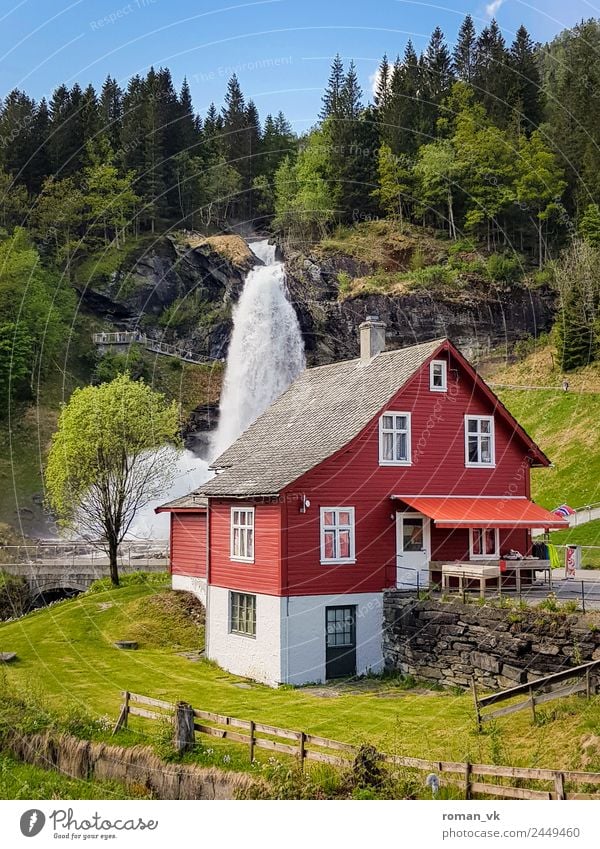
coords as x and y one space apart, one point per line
58 569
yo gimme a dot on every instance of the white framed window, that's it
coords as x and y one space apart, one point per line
242 614
438 376
484 543
394 439
337 535
479 441
242 534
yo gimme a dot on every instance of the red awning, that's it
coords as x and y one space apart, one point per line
449 511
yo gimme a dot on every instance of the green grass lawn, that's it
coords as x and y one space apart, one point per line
565 425
66 657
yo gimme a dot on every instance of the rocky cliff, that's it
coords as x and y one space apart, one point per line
477 317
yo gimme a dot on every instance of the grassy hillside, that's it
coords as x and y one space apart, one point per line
395 260
66 653
565 424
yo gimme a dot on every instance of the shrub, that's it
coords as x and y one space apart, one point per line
344 283
434 277
15 596
501 268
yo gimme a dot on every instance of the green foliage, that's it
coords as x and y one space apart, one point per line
108 458
577 281
111 364
589 225
502 268
15 596
395 181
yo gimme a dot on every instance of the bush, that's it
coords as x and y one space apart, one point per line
434 277
110 365
15 596
500 268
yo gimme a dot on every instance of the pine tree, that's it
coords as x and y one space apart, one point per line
236 139
382 90
465 51
525 94
589 225
110 109
492 74
332 95
439 74
188 129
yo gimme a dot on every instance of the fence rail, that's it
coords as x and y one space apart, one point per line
584 679
561 784
129 337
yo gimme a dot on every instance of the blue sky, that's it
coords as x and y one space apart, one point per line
280 49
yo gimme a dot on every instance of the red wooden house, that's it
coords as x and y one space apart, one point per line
363 475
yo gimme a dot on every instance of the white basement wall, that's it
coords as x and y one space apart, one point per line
197 586
303 629
253 657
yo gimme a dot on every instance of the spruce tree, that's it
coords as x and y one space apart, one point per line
382 89
464 51
492 74
525 94
332 95
110 109
188 129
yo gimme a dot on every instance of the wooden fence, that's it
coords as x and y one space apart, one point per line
583 679
310 747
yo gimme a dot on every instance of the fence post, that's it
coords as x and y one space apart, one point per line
559 785
532 702
468 772
185 737
476 703
302 749
123 713
583 596
252 725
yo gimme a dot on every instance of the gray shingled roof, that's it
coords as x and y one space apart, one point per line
321 412
192 499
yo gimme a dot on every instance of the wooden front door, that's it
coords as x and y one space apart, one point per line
340 641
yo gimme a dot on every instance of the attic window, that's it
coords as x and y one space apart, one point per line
479 441
438 376
394 439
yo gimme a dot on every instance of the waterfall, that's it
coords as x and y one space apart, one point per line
266 353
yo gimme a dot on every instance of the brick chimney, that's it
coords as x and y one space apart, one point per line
372 337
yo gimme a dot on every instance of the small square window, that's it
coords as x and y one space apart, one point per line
438 376
484 543
242 614
394 439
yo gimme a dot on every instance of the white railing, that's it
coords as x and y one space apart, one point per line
130 337
61 552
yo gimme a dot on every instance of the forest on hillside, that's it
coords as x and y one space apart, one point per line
488 142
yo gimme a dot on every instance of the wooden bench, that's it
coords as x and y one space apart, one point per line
472 572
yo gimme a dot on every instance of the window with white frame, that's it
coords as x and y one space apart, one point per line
337 535
242 534
394 439
479 441
484 543
242 614
438 376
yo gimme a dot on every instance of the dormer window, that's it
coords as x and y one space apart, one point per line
479 441
394 439
438 376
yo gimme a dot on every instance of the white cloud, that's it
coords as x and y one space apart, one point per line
493 7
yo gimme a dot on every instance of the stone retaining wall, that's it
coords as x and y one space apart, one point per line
452 642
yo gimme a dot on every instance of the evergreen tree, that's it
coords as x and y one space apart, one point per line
189 134
464 53
492 74
589 225
439 74
382 89
110 110
524 94
17 133
333 92
236 141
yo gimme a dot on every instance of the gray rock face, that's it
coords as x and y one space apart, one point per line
477 321
147 284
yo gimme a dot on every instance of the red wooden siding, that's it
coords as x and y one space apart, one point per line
262 576
188 544
353 478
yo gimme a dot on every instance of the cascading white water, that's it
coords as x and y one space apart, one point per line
266 354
